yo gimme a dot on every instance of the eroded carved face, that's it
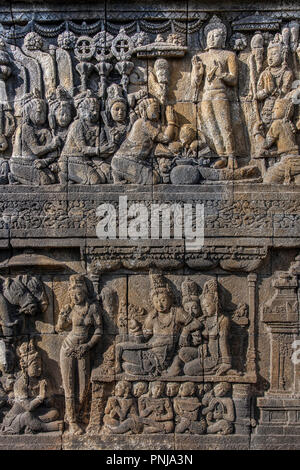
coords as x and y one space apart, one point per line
162 75
63 114
208 305
78 295
187 135
192 307
32 365
221 389
122 389
162 301
196 338
118 111
153 112
157 390
187 389
172 389
30 309
139 389
37 113
215 39
89 110
274 56
278 110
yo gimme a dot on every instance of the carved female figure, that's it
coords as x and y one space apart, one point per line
217 356
116 122
34 148
83 315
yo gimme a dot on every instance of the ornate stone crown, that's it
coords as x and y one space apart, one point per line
189 290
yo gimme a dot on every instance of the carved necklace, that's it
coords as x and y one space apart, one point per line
166 323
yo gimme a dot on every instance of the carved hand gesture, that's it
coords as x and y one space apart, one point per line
43 386
39 164
82 350
170 114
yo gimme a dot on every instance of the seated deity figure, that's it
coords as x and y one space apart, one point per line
217 70
161 330
186 407
34 149
132 162
217 358
155 410
80 160
83 315
281 134
274 82
121 413
219 412
32 409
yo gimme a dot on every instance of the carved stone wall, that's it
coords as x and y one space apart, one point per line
139 341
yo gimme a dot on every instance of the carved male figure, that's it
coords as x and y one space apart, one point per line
156 411
32 410
220 411
132 162
186 407
84 317
216 355
80 158
35 149
121 414
274 82
282 135
218 69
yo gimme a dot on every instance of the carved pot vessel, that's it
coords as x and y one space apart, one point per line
185 173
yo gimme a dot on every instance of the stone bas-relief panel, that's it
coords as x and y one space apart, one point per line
134 344
104 103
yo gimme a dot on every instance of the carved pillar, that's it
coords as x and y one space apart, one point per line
241 398
251 355
281 406
281 316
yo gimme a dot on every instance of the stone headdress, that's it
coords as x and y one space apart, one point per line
79 99
215 23
189 290
27 353
77 280
115 95
159 284
143 104
27 103
56 95
211 288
